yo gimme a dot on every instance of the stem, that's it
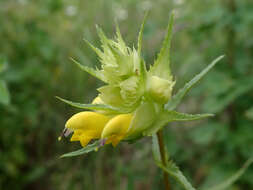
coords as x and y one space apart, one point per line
231 49
163 158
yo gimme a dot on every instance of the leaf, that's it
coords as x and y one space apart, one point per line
90 106
170 167
4 93
249 113
85 150
169 116
140 36
161 66
176 116
176 99
227 183
91 71
3 64
175 172
218 103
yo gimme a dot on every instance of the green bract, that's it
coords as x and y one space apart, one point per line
131 88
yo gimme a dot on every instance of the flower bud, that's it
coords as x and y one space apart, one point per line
116 129
160 89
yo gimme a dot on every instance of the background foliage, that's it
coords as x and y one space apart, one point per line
37 39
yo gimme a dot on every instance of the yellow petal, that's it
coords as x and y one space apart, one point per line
84 140
82 136
114 139
90 122
116 129
76 135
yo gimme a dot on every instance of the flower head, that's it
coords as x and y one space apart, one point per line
134 102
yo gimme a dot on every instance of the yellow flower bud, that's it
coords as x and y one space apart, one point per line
116 129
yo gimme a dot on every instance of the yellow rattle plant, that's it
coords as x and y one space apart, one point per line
134 101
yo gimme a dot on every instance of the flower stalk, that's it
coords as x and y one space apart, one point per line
162 150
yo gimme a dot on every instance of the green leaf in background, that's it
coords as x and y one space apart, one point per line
218 103
171 168
4 93
170 116
3 64
249 113
176 99
207 133
90 106
87 149
90 70
227 183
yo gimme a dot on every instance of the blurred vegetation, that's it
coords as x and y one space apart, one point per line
37 40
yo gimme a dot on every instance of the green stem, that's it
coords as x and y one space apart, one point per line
231 52
163 158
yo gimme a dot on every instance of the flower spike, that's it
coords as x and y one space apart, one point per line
134 102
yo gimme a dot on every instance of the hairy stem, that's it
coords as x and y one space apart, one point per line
163 158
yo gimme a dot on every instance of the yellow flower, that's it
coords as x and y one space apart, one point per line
116 129
92 125
86 126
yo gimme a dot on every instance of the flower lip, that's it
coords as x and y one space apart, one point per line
85 126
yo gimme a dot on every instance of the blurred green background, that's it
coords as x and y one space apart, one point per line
38 38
